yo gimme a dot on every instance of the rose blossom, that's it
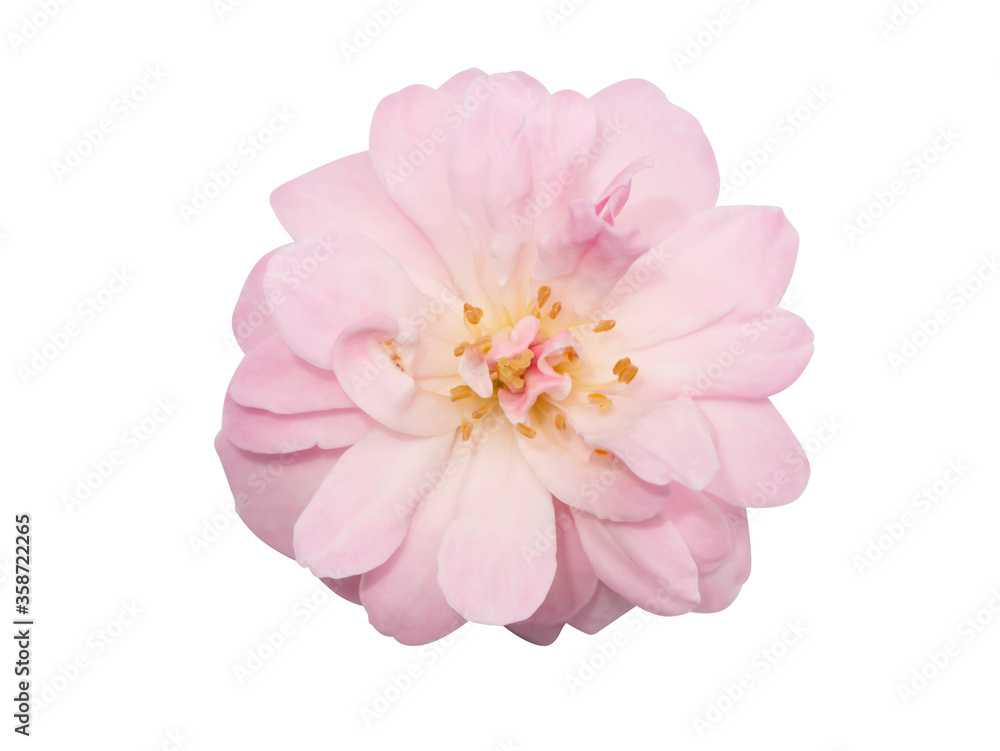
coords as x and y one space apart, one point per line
514 368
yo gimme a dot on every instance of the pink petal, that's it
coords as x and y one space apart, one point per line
264 432
272 490
360 513
331 281
600 485
635 120
574 583
494 566
661 443
402 596
347 193
252 321
646 562
537 633
762 462
408 145
717 259
702 525
382 388
752 351
274 378
605 607
720 587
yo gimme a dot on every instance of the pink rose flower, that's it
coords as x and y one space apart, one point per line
514 368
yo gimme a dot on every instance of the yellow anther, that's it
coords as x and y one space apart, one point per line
460 349
621 365
481 412
543 296
603 326
628 374
473 315
603 403
483 344
600 452
556 307
571 355
560 421
461 392
510 370
525 430
466 429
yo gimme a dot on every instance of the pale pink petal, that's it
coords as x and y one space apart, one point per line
719 587
645 562
382 388
541 634
252 321
272 490
604 608
635 120
360 513
347 193
493 565
274 378
599 484
702 525
661 443
402 596
762 462
264 432
717 259
751 351
330 281
574 583
347 588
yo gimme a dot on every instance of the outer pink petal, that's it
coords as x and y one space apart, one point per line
762 462
494 565
408 145
541 634
331 281
347 193
346 588
635 120
264 432
646 562
605 607
716 259
751 351
402 596
574 583
703 526
271 491
360 513
384 390
720 586
252 321
274 378
661 443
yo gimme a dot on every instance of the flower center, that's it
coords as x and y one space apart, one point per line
509 371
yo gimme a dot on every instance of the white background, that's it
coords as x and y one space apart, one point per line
879 432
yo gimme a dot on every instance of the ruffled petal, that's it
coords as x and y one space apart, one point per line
252 321
604 608
264 432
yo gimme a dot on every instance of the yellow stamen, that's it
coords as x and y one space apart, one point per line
460 349
461 392
621 365
466 429
603 326
525 430
628 374
543 295
556 307
571 355
473 315
603 403
600 452
509 371
481 412
560 421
